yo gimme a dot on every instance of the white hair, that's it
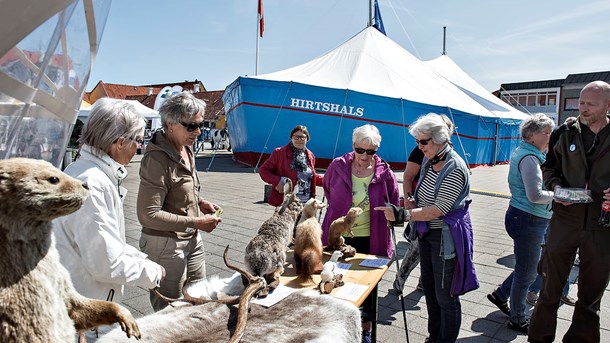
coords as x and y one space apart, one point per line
434 125
367 135
109 120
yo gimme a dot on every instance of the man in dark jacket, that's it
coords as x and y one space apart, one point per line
579 159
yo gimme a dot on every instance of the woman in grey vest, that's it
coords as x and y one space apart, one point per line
527 217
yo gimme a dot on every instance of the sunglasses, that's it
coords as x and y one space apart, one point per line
423 141
193 126
361 151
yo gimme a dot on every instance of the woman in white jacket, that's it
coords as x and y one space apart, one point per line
91 241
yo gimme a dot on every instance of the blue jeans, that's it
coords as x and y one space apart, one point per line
527 232
535 287
444 310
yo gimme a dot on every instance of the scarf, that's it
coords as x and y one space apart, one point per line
299 159
441 155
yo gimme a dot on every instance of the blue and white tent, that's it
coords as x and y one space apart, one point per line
368 79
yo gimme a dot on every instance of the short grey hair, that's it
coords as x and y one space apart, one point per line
109 120
367 134
435 125
535 124
181 107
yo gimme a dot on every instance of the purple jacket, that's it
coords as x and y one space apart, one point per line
337 184
464 276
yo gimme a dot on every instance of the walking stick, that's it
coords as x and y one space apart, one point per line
402 298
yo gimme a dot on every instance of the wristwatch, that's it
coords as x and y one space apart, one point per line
407 215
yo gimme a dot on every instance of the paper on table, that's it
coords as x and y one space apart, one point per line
278 295
375 262
350 291
342 268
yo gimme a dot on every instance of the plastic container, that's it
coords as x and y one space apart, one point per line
573 195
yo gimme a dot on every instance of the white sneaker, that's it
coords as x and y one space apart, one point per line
532 298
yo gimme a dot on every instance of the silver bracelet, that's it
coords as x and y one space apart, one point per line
407 215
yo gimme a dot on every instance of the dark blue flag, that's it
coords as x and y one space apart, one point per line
378 21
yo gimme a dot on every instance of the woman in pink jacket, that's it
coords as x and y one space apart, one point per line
362 179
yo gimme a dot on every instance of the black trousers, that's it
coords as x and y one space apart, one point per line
557 258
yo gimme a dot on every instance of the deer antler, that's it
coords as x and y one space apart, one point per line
168 299
255 284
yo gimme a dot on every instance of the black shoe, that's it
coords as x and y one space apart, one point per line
568 300
519 327
503 306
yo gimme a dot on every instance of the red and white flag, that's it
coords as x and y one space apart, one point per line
261 18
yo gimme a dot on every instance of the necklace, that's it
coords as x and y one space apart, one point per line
361 172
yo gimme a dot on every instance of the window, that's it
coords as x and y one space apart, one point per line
542 99
571 104
531 100
552 99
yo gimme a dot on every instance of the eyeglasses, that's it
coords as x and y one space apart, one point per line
193 126
361 151
299 137
423 141
137 140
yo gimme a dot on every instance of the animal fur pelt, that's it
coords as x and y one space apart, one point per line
301 317
308 242
37 300
266 253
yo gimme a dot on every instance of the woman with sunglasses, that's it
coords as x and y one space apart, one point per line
362 179
443 225
169 206
91 241
295 162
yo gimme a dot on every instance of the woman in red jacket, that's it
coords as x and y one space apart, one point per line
295 162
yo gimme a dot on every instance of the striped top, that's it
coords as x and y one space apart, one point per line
447 194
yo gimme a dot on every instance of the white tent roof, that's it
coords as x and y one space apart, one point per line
446 68
372 63
147 112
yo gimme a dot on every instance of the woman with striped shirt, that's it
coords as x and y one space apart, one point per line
443 225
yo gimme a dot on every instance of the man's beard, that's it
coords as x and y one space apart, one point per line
585 121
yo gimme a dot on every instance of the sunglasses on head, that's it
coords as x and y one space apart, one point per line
193 126
370 152
423 141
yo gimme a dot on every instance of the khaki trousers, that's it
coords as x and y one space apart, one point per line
180 258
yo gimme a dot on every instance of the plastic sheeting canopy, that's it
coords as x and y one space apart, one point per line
45 62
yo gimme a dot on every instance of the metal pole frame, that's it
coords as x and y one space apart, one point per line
402 298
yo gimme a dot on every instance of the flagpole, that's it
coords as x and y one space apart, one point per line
257 34
370 13
444 39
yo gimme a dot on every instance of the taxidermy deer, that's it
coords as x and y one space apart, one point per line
266 252
303 316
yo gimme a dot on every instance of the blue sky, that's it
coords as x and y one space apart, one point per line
151 41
